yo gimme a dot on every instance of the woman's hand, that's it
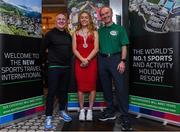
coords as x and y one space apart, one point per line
84 62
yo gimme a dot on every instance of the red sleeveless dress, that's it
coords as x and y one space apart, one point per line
85 77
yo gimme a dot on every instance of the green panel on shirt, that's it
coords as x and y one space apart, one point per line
112 38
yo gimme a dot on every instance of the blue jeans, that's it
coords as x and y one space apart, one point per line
107 67
58 84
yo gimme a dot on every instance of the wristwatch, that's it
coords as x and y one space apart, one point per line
123 60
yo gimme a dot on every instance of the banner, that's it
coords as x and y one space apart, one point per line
74 8
154 59
21 92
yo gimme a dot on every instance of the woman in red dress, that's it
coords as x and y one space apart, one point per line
85 48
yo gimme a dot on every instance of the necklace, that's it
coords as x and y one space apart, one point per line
85 45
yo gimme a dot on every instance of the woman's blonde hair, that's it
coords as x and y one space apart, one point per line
90 27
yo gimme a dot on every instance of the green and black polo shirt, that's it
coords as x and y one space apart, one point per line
112 38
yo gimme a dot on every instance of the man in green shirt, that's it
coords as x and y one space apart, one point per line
113 43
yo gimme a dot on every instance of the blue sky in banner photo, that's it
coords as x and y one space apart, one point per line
35 5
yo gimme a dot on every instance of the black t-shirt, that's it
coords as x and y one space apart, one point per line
59 45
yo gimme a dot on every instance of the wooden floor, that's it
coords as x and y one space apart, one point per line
140 124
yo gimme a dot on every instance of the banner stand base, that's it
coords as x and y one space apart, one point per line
94 108
164 121
21 119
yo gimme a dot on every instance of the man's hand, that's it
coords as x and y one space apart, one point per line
121 67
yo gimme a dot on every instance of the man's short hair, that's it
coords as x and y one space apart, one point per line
106 7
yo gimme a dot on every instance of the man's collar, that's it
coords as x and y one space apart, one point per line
109 25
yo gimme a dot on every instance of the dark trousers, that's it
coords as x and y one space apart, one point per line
58 84
107 67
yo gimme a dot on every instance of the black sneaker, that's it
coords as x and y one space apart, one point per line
124 124
107 116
